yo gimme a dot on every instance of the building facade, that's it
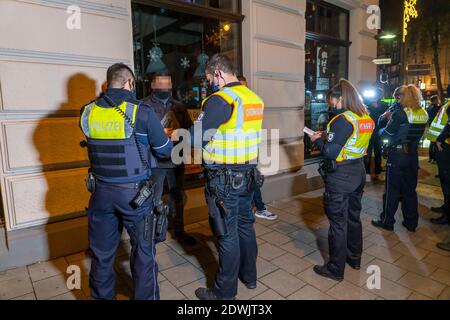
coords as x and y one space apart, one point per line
54 62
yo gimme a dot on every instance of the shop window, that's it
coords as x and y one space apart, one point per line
174 41
326 62
228 5
180 44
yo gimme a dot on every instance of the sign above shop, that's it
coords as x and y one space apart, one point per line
382 61
418 69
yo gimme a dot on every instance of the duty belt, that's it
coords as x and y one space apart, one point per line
132 185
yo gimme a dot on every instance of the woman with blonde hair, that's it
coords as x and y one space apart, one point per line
404 131
344 145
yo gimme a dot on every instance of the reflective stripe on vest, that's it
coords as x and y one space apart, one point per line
356 146
237 141
112 150
438 123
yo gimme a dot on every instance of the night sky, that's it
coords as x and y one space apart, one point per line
391 15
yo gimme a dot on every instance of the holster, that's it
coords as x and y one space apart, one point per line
256 180
156 224
90 181
327 166
217 213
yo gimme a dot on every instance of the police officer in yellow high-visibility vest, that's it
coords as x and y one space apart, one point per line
231 121
122 135
344 146
403 132
443 157
443 161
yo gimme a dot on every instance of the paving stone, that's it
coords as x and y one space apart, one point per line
268 295
419 267
17 273
309 293
246 294
43 270
348 291
50 287
389 270
411 250
298 248
28 296
275 238
284 227
189 289
313 279
169 259
441 275
418 296
15 287
264 267
282 282
71 295
422 285
291 263
268 251
385 254
438 260
169 292
391 291
182 274
445 294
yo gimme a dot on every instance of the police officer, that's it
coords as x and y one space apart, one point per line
432 111
173 115
121 132
344 146
233 118
434 131
443 158
404 131
376 109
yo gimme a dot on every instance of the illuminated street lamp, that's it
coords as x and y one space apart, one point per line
387 36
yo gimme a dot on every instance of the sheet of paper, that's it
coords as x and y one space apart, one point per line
308 131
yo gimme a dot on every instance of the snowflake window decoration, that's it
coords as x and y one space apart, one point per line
185 63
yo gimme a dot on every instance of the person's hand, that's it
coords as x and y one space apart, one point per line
386 115
439 146
169 132
316 136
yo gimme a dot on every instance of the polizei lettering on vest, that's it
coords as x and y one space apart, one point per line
109 126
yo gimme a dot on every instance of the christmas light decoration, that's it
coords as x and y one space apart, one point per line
409 13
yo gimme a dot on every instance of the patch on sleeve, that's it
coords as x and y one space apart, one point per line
200 116
330 136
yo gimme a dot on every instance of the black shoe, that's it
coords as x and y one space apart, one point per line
208 294
437 209
410 229
380 224
443 246
354 265
251 285
186 239
441 220
324 272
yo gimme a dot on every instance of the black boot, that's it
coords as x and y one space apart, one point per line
208 294
380 224
441 220
324 272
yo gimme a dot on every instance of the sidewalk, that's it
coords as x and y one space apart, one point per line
411 266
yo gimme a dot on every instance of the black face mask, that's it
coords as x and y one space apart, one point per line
162 94
335 111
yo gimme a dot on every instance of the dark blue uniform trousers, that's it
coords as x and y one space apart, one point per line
402 171
342 200
237 249
110 210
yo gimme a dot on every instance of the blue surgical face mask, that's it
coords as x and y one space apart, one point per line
214 87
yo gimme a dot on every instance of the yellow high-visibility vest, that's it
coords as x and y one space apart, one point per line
438 124
237 140
356 146
107 123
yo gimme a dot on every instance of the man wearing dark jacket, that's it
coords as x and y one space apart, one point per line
432 111
173 115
